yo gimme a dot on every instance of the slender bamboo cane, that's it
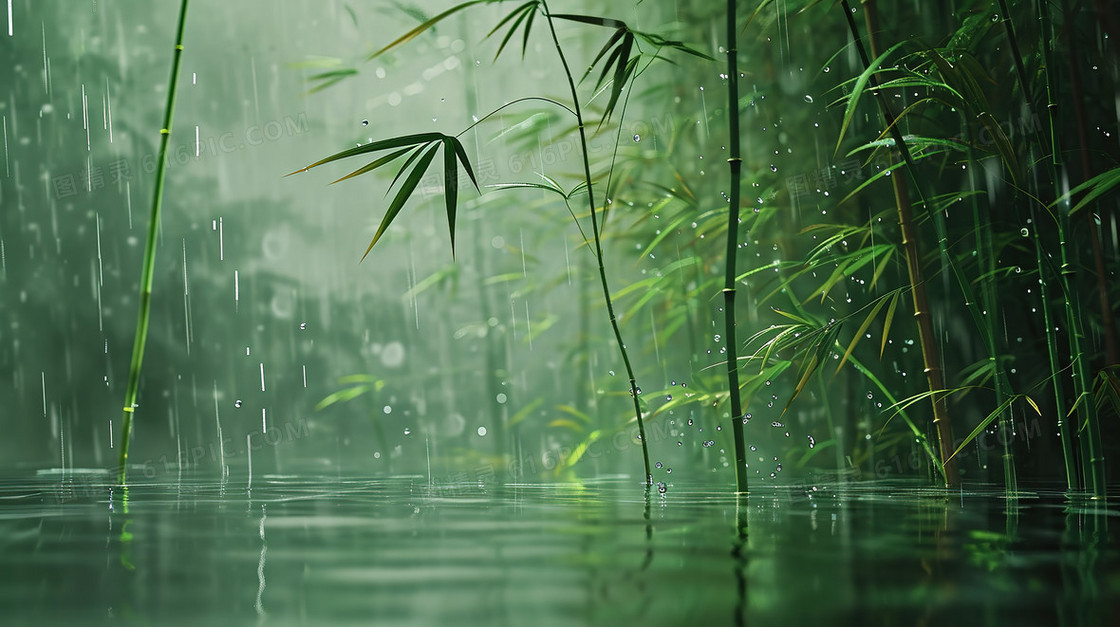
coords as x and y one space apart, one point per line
634 389
144 314
986 259
930 353
1092 459
1093 446
736 163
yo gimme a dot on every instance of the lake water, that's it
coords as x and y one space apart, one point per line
329 550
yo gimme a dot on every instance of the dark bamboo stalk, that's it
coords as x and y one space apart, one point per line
1112 353
1066 433
144 315
736 163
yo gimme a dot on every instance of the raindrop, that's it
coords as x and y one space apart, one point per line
659 465
1024 231
637 137
808 98
661 487
392 355
365 122
237 403
481 431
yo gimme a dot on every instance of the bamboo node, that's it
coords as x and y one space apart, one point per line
164 131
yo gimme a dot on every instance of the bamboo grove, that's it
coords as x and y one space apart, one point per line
885 252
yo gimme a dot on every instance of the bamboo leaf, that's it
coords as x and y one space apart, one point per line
373 165
580 449
341 396
607 46
412 34
384 144
1097 186
572 411
984 424
519 14
416 153
859 332
587 19
661 42
566 424
326 79
450 186
858 90
887 323
888 254
524 412
462 155
405 192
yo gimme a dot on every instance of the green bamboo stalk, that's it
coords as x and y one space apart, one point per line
634 390
144 315
736 163
922 314
1092 459
1045 289
986 260
1094 448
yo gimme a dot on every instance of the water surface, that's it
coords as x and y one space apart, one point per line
314 550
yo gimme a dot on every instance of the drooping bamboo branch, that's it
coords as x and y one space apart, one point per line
144 315
736 163
634 389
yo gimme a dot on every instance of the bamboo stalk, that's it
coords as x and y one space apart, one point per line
1092 459
982 225
1065 432
736 163
1111 349
634 389
144 315
1094 446
931 356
